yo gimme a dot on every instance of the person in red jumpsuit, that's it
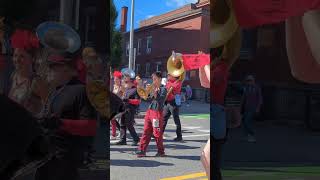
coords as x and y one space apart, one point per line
153 120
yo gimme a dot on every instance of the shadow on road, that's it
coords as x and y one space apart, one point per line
179 146
195 158
138 163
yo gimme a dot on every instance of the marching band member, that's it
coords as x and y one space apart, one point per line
170 105
70 106
118 91
131 100
27 89
153 121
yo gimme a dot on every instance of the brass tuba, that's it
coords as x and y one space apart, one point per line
175 66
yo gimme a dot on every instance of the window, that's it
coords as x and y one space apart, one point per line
149 44
127 48
137 68
158 66
139 46
147 69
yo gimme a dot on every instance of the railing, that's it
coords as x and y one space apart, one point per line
290 104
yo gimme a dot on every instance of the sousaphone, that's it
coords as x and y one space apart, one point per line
225 30
58 37
175 66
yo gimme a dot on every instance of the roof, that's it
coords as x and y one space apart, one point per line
177 14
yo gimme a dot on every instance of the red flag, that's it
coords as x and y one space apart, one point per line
251 13
195 61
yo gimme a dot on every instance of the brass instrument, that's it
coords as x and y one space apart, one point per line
225 31
145 92
175 66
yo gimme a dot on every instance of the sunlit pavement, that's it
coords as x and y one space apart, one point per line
183 158
281 153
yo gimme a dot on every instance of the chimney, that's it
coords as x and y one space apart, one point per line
124 15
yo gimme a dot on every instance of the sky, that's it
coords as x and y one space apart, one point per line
148 8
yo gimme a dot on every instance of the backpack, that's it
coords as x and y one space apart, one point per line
177 99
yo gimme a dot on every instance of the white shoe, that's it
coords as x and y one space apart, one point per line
118 136
113 138
251 139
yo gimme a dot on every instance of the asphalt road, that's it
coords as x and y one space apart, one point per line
183 158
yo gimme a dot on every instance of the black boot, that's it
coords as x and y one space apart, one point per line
121 142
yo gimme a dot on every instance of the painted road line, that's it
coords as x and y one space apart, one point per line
197 135
188 176
206 131
191 127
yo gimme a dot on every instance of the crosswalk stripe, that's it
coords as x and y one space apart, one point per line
196 135
189 176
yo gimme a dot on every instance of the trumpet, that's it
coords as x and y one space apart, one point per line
145 92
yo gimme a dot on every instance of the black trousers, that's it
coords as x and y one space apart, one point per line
216 160
64 167
169 109
127 122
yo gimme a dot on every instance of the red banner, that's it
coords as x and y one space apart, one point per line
251 13
195 61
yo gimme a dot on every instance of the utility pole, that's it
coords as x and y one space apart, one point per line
131 36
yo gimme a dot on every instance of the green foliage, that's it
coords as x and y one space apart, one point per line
116 38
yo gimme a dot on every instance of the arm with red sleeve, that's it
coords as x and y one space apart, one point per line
176 85
85 124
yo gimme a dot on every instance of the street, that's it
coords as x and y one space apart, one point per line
183 158
282 152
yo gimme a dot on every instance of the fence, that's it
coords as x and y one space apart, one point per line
291 104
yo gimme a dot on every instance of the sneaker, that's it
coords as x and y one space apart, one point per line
178 139
135 143
141 154
160 154
251 139
118 136
120 143
113 138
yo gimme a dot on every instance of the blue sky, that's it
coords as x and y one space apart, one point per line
148 8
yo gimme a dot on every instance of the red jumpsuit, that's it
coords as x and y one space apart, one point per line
153 122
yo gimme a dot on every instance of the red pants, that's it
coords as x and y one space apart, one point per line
113 128
149 130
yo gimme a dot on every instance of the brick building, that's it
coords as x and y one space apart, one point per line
87 17
264 55
184 30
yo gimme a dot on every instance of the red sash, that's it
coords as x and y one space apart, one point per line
79 127
134 101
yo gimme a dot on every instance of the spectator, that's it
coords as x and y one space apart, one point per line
250 105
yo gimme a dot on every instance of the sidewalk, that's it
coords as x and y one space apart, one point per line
281 152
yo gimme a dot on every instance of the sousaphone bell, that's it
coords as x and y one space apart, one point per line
175 66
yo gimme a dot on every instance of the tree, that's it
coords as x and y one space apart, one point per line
116 38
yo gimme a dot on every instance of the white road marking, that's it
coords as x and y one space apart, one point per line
191 127
196 135
206 131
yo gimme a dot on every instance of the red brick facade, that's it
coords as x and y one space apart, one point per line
185 30
269 63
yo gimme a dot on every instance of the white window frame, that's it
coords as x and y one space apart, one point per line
138 66
148 50
139 46
148 69
127 48
158 66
